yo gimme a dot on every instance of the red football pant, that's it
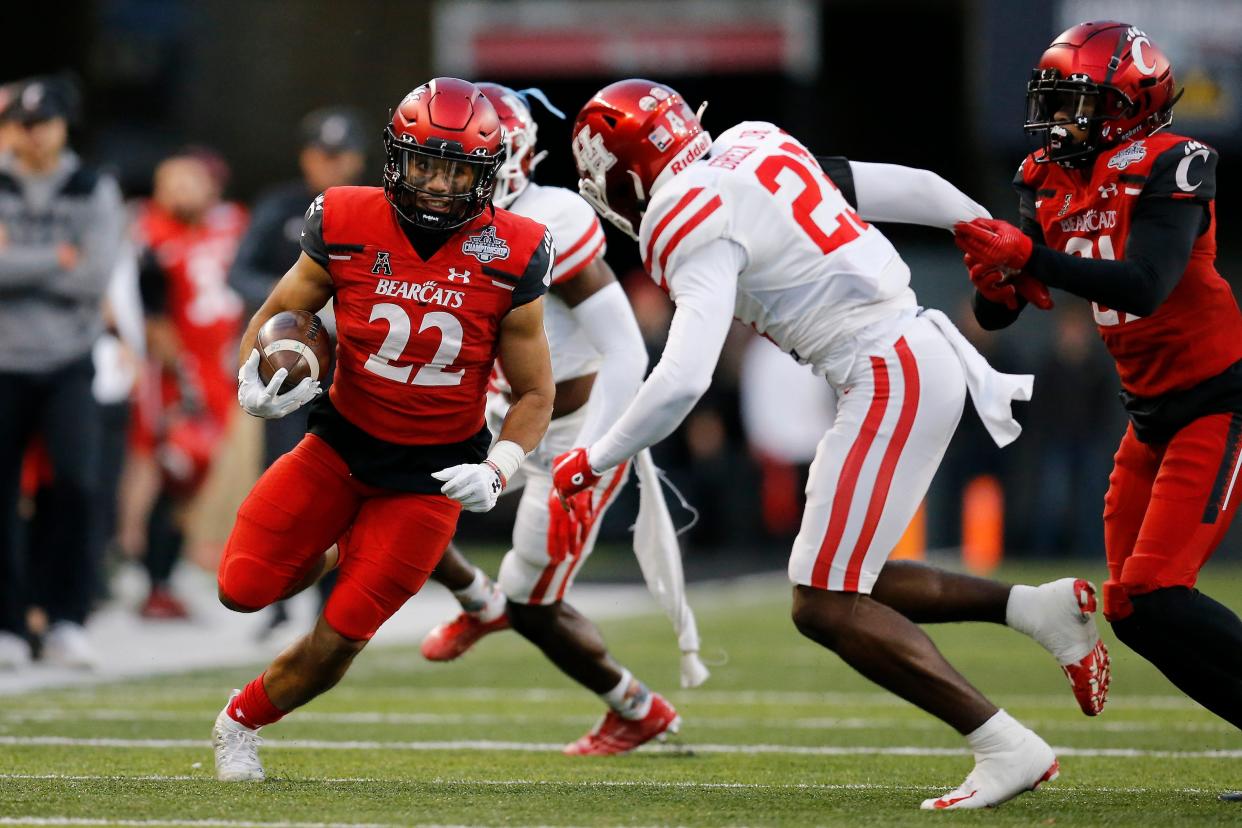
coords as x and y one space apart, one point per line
1168 507
389 541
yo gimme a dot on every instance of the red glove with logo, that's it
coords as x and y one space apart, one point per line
993 242
572 473
569 522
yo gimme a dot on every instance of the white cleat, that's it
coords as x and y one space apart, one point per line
66 644
1062 620
237 749
999 777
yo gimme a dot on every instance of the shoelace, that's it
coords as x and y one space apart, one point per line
239 742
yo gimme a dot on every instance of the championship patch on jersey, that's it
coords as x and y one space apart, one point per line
486 246
1132 154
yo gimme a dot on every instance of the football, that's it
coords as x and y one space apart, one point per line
297 341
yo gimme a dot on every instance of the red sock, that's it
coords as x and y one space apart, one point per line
252 707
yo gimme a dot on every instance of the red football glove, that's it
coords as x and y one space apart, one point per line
570 521
1033 291
993 242
990 281
571 473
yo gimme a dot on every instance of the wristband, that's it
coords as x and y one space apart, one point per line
506 457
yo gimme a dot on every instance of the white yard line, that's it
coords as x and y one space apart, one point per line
549 747
60 716
596 783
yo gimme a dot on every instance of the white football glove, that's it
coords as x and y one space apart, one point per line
266 401
475 485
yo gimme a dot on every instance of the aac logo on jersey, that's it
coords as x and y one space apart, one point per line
382 265
486 246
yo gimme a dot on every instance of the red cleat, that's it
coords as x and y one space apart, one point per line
452 638
1089 678
615 734
1090 675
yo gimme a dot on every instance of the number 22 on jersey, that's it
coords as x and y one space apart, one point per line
810 178
434 372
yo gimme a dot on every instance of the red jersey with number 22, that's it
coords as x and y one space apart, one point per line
1197 331
416 339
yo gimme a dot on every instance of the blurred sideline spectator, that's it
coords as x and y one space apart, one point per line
61 225
786 410
187 394
118 357
333 154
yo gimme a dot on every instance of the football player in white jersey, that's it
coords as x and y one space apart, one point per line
753 226
598 362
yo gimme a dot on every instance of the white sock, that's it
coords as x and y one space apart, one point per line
630 698
997 734
480 598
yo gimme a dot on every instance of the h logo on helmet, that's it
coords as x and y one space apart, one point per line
591 154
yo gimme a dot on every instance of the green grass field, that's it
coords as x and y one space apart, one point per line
783 734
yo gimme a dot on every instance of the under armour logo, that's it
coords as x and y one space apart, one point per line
382 264
454 275
1109 190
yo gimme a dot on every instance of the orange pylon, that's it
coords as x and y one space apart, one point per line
983 524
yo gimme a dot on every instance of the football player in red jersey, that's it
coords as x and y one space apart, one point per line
185 396
430 285
1120 211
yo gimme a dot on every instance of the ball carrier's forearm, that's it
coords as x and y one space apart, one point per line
528 419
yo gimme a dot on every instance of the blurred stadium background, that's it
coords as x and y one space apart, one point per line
936 84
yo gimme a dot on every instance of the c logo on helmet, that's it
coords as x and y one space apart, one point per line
1136 52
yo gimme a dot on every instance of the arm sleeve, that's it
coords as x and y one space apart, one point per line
97 249
608 322
247 276
1162 233
312 241
704 289
538 274
889 192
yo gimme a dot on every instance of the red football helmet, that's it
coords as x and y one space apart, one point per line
625 137
1105 77
443 147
